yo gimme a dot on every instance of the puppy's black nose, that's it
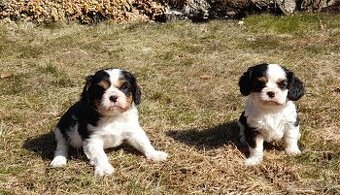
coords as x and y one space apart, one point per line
271 94
113 98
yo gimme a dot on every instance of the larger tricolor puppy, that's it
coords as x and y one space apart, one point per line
270 113
105 117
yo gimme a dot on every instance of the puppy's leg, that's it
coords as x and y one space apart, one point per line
291 137
141 142
60 154
255 150
94 151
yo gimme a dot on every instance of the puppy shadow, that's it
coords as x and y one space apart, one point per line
215 137
45 145
210 138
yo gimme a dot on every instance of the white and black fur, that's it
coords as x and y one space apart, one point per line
104 117
270 113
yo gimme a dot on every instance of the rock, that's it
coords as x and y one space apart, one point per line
173 15
287 6
197 10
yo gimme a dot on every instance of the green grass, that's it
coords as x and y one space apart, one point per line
299 24
189 74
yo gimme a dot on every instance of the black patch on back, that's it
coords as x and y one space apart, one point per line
79 114
248 81
250 133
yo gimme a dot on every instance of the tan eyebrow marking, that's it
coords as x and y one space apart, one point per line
105 84
263 79
120 82
280 80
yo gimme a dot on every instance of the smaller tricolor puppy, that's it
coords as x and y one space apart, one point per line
105 117
269 113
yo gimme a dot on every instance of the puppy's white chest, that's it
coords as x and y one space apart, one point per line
272 127
112 134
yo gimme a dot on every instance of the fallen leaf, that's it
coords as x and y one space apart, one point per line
205 77
6 75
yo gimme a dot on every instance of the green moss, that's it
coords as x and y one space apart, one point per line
298 24
16 169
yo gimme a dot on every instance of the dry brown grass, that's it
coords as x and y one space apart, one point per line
189 74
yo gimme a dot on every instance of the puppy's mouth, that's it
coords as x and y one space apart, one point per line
271 103
117 107
114 107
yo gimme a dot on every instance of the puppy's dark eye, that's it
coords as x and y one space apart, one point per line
258 83
282 84
124 88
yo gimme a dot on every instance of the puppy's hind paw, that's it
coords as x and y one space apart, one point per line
58 161
157 155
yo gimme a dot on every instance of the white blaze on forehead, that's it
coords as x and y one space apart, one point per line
115 74
275 73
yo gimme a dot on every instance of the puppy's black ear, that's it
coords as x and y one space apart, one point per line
295 87
85 97
137 94
135 88
244 82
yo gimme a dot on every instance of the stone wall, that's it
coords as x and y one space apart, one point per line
219 9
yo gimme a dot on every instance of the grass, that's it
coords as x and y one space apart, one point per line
189 74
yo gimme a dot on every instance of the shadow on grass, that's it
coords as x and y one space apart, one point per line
215 137
45 145
210 138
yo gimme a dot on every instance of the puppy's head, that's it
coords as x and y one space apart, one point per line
111 91
271 85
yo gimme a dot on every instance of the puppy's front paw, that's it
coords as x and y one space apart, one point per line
102 170
157 155
252 161
58 161
292 151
